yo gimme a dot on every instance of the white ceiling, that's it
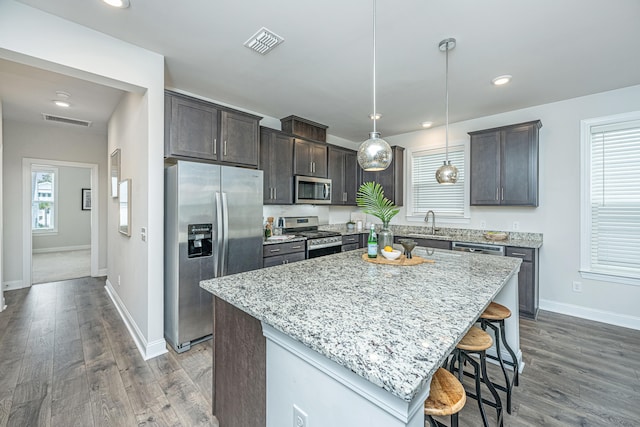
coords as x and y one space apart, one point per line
554 49
27 92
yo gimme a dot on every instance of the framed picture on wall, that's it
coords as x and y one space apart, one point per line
86 199
115 172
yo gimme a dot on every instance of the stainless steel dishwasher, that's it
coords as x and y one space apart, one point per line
478 248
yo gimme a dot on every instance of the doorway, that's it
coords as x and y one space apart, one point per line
60 220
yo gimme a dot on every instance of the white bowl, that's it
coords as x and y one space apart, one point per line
394 254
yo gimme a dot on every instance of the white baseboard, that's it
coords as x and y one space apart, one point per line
12 285
61 249
147 350
617 319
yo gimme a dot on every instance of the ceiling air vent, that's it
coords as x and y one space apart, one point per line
264 41
67 120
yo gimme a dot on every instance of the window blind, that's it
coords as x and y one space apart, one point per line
427 194
615 198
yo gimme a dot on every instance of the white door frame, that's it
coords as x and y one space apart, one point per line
26 213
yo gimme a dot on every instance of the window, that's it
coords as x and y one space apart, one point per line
426 194
610 216
44 191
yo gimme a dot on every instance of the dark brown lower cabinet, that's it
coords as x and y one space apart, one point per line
239 367
283 253
527 280
350 242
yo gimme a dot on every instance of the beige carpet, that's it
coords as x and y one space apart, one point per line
56 266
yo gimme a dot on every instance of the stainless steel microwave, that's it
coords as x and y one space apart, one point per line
311 190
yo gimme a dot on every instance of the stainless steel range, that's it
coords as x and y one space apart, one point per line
319 242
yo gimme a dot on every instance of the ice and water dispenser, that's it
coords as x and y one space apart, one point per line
200 240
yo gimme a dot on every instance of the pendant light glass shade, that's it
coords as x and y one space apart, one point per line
375 153
447 173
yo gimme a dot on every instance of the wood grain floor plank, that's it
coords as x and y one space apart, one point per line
6 401
190 406
109 401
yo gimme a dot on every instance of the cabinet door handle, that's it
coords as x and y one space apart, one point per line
215 146
310 167
502 192
275 193
344 197
518 254
296 247
497 193
274 250
224 148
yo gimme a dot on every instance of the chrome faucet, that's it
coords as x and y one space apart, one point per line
433 224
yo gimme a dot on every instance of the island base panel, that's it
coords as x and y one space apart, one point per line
239 367
328 393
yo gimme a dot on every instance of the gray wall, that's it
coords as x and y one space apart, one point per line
49 142
74 224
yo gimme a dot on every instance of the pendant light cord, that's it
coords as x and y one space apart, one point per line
374 67
446 102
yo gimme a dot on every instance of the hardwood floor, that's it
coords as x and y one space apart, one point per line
66 359
577 373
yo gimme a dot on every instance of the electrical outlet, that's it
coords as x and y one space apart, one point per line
118 280
577 286
483 224
299 417
516 225
143 234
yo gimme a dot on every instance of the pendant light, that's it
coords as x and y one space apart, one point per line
374 154
447 173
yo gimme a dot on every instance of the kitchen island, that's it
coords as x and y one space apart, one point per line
345 341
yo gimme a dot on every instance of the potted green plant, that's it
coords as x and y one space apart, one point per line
371 199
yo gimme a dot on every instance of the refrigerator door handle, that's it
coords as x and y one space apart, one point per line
219 230
225 235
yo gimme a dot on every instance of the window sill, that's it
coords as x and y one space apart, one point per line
610 277
44 232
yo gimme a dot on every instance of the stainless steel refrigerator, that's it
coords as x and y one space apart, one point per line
213 227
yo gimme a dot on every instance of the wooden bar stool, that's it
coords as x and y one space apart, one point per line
477 341
493 317
446 397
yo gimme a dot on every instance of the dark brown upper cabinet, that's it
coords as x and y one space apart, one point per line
276 160
391 179
310 158
197 129
343 171
504 165
239 138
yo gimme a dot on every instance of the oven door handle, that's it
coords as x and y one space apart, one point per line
325 245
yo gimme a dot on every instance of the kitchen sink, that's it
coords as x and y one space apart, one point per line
429 236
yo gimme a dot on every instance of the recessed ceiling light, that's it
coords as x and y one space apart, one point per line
501 80
120 4
63 104
375 116
426 124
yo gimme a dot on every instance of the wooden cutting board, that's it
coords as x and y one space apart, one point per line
402 260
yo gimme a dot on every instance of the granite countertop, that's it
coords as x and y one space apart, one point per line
394 326
517 239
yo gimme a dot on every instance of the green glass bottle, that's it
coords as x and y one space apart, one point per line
372 243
